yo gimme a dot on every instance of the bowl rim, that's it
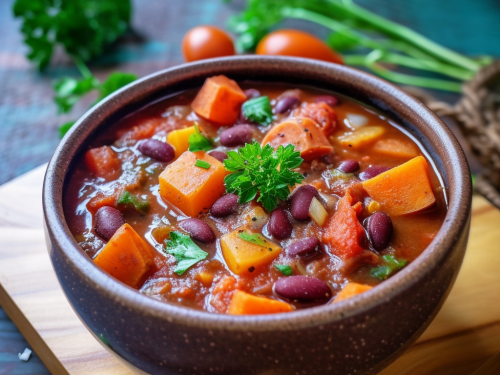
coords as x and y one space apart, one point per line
459 194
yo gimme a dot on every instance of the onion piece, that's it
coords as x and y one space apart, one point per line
317 212
356 121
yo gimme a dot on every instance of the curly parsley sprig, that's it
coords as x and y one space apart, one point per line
262 170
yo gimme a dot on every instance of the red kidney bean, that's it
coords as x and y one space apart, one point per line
327 99
107 221
219 155
237 135
158 150
287 103
302 247
372 171
279 225
379 228
225 205
302 289
348 166
301 200
252 93
198 229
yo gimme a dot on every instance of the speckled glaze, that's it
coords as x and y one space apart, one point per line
361 335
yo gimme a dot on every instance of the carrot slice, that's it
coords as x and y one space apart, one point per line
351 290
192 189
343 231
103 162
303 133
126 256
404 189
247 304
219 100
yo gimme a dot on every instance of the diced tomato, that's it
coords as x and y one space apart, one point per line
322 113
222 293
103 162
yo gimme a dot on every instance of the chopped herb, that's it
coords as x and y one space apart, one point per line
390 266
130 200
197 142
255 238
258 110
185 251
284 269
202 164
263 170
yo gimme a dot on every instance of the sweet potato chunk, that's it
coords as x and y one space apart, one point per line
222 293
219 100
396 148
343 231
243 257
361 137
351 290
246 304
103 162
179 139
303 133
404 189
126 256
192 189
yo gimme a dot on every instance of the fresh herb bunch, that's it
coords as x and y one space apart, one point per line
355 29
185 251
262 170
390 266
83 28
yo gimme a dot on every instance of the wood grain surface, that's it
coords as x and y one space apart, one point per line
462 339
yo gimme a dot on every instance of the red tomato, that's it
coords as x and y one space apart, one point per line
205 42
290 42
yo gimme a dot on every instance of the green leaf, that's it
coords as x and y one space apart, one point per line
390 265
70 90
128 199
264 171
185 251
83 28
258 110
64 128
255 238
198 142
202 164
284 269
115 81
342 41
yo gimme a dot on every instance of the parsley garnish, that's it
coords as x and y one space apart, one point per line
284 269
391 265
263 170
130 200
254 238
202 164
197 142
258 110
185 251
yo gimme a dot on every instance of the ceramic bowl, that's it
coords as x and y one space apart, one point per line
361 335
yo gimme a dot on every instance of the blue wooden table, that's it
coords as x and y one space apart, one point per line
28 116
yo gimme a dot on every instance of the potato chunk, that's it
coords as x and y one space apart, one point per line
192 189
243 257
179 139
361 137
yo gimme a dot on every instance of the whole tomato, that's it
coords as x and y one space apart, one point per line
205 42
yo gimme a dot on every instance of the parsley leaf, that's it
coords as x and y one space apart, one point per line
391 265
263 170
284 269
197 142
255 238
70 90
130 200
258 110
185 251
115 81
82 27
202 164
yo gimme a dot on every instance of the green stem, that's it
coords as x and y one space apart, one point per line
82 67
411 37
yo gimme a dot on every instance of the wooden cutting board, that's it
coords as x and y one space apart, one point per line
462 338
